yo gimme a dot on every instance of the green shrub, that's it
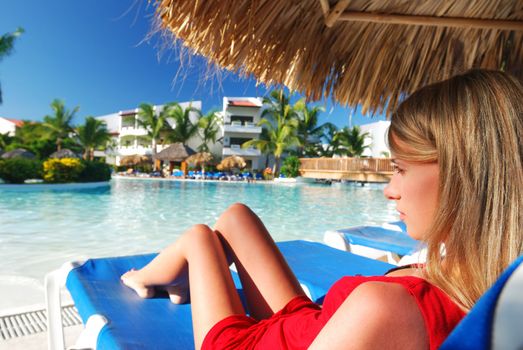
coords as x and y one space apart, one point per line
95 171
291 166
62 170
17 170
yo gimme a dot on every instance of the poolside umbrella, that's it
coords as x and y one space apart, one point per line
369 52
64 153
134 160
176 152
200 159
232 162
19 152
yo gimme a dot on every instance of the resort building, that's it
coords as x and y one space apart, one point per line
9 125
129 138
376 139
239 123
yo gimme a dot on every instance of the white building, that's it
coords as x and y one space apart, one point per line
239 119
376 140
9 125
129 138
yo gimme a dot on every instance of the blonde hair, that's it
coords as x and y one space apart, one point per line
472 125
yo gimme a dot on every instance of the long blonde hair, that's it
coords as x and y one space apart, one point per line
472 125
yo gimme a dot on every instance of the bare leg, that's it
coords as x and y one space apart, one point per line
213 294
268 282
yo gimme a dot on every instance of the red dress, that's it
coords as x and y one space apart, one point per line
300 321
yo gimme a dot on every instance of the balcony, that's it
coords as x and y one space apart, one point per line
245 128
131 130
236 150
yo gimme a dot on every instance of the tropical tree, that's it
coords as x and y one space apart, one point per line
58 125
154 123
183 128
281 123
34 137
351 141
5 140
309 132
208 127
92 135
6 47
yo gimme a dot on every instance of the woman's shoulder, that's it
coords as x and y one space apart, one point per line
384 315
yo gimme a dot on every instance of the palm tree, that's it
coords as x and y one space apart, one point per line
5 140
309 132
352 141
152 122
6 46
91 135
184 128
208 126
280 122
59 125
330 131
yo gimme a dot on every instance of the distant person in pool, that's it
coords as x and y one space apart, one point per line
458 154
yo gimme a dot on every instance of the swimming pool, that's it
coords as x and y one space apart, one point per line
40 230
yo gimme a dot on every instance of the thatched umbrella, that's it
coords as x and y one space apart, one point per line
134 160
368 52
19 152
64 153
232 162
176 152
200 158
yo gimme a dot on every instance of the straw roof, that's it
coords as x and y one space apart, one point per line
200 158
63 153
134 160
176 152
364 52
19 152
232 162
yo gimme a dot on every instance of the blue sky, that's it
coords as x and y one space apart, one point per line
94 54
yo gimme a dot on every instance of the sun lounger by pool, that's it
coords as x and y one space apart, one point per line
116 318
389 242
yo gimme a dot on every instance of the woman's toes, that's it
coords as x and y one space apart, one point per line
178 293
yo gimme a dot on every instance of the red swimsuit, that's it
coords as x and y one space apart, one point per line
300 321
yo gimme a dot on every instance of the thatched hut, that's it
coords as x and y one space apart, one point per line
135 159
367 52
232 162
175 153
18 153
64 153
200 159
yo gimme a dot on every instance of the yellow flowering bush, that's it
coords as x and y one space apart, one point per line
62 170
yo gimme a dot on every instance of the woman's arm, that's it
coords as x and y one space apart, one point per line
376 315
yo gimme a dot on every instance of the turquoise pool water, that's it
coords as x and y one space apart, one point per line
40 230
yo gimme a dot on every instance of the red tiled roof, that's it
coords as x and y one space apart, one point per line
16 122
242 104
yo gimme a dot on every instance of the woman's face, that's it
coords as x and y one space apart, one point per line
414 187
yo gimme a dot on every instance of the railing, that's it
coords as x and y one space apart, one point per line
347 165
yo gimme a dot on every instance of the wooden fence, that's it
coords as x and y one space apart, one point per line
355 169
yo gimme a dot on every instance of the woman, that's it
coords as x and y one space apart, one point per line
458 159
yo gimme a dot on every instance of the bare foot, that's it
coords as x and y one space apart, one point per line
130 279
177 293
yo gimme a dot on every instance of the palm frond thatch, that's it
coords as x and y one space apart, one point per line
353 54
63 153
18 153
200 158
134 160
232 162
176 152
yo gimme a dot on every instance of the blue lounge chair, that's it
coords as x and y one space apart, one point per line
121 320
389 242
116 318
